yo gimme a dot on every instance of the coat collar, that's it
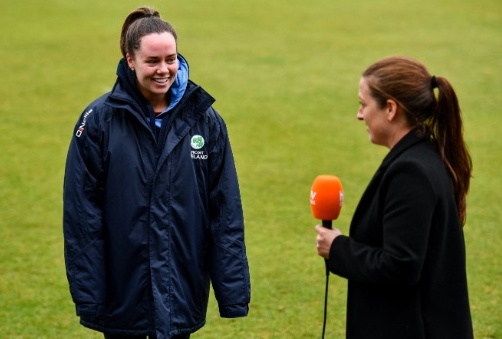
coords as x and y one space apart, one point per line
408 141
402 145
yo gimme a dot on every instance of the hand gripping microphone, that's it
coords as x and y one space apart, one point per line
326 198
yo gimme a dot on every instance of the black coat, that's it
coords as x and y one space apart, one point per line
405 257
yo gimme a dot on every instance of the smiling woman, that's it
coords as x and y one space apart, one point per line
152 208
156 65
149 45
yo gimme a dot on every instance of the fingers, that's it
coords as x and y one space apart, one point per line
324 239
320 229
320 240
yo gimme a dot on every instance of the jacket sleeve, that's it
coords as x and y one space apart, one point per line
82 215
228 265
395 253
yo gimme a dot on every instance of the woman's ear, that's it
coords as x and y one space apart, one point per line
130 62
391 108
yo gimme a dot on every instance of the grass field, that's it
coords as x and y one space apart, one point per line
285 75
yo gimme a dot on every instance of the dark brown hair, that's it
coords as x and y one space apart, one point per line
140 22
408 82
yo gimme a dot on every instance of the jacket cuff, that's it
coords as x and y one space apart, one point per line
337 248
90 310
234 311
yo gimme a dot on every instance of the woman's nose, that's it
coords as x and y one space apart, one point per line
359 115
163 67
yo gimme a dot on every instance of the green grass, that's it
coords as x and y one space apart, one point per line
285 76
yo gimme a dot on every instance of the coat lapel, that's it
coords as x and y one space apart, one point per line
371 191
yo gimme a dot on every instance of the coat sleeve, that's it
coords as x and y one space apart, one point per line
395 253
82 217
228 265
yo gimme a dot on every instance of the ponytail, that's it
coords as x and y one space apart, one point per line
447 131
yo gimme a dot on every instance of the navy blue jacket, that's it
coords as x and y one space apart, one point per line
151 218
405 257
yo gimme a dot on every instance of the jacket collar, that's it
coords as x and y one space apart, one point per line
402 145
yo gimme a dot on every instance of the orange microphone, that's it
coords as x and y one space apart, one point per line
326 198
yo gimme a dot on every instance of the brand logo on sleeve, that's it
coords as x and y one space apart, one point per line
80 129
197 142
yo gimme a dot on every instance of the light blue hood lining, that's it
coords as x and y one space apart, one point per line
180 83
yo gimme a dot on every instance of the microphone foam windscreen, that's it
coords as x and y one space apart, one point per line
326 197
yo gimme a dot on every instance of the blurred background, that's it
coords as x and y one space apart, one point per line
285 76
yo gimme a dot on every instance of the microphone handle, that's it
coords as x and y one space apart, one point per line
327 223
